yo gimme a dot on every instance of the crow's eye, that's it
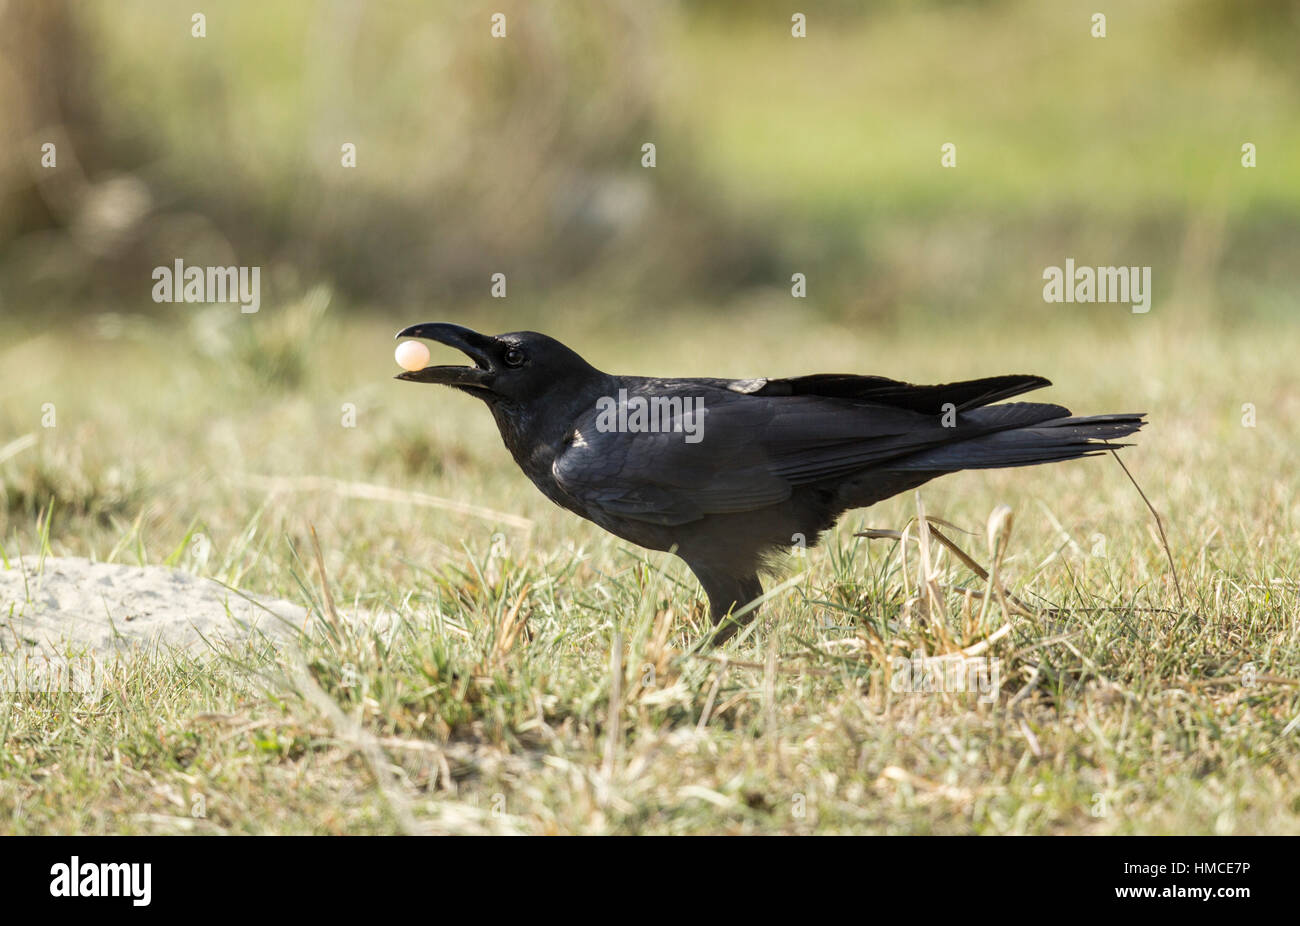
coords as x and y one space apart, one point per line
514 357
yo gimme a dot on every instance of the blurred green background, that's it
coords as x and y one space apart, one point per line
522 155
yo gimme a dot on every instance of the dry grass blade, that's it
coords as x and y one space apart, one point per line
931 529
512 624
979 570
999 537
370 492
17 446
328 596
712 697
1160 526
874 533
978 649
613 723
927 577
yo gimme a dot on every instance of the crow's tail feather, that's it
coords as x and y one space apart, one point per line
1043 442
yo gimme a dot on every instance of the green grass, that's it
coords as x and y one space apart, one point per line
545 680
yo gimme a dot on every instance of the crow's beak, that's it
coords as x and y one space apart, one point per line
478 347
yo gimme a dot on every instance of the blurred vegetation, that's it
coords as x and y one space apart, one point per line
522 155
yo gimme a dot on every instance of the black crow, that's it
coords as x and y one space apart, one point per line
725 472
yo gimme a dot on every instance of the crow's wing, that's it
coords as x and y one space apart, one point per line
833 438
929 400
752 449
668 477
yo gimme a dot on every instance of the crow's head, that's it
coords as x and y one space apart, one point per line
516 368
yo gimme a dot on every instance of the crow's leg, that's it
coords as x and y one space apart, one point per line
727 594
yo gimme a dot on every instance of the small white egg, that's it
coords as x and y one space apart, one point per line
411 356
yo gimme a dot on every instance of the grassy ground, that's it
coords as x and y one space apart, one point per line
541 679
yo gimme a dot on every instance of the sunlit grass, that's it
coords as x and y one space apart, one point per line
545 679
